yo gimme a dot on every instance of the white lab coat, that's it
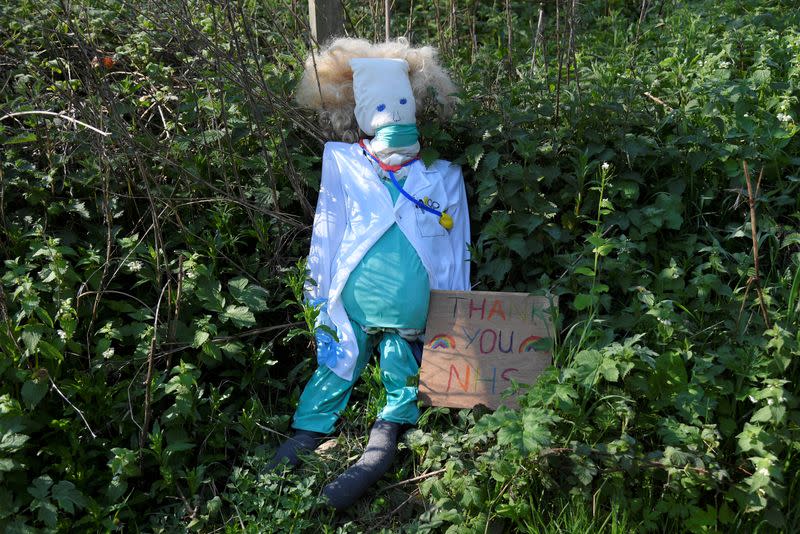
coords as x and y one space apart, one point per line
354 210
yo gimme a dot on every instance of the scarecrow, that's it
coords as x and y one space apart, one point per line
387 230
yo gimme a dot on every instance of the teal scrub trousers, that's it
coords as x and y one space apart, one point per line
326 394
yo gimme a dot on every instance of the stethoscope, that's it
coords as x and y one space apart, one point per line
425 204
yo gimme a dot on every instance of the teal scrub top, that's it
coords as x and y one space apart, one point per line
389 288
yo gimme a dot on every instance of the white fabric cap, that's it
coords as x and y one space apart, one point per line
383 93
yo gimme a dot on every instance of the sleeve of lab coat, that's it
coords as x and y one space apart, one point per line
460 234
330 221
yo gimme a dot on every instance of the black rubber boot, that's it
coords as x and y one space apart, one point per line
376 460
303 441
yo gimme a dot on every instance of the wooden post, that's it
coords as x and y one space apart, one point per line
386 15
326 19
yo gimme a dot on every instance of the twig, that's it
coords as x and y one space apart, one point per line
572 22
6 321
560 56
268 429
642 15
509 39
220 339
176 316
756 278
537 40
85 422
110 292
415 479
657 100
130 404
59 115
189 510
149 376
400 506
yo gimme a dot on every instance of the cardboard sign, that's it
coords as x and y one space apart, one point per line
478 341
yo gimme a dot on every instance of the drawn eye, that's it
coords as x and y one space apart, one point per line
381 107
403 100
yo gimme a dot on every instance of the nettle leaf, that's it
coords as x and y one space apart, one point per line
584 469
79 207
200 337
754 439
50 351
428 155
214 505
210 293
116 488
179 446
252 296
511 435
209 136
700 519
609 370
517 244
33 391
774 413
587 364
584 300
31 337
474 155
7 465
68 496
12 441
48 514
535 432
490 161
41 487
239 315
671 208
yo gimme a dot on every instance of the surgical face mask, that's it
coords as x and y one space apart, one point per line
383 93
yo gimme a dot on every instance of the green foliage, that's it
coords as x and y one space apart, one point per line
153 338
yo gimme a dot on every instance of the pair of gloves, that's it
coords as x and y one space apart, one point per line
328 348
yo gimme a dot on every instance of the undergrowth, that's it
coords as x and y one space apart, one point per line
153 347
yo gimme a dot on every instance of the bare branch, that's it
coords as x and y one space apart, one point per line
53 114
61 394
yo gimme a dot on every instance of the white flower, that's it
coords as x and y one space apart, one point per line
62 335
109 352
135 266
724 64
783 117
605 166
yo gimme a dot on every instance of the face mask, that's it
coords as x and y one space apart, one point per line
396 135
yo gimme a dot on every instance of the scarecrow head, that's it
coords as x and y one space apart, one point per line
358 87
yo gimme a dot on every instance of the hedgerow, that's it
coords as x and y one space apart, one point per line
643 166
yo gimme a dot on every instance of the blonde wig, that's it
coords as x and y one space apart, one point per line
327 83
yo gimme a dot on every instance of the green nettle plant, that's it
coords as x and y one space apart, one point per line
640 160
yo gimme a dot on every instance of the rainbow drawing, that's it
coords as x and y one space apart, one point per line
528 344
442 341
